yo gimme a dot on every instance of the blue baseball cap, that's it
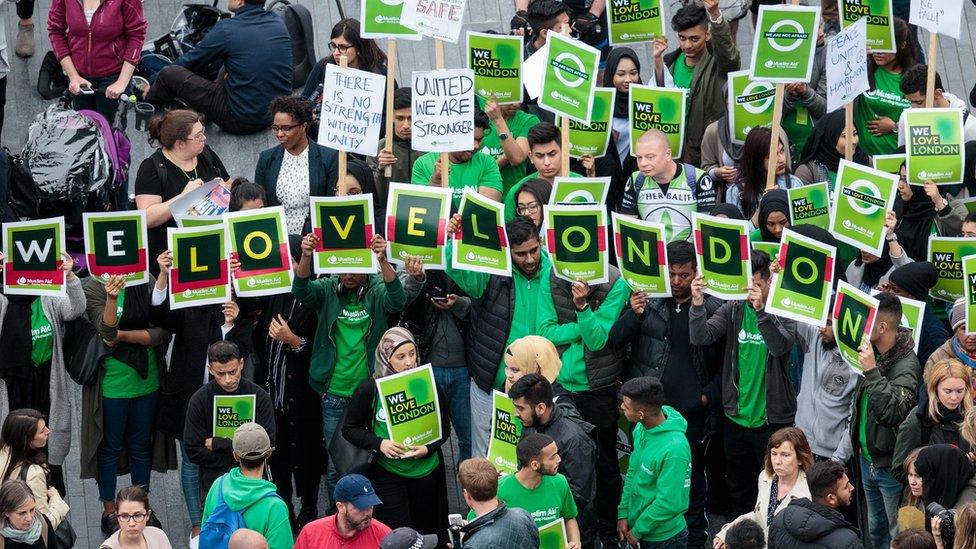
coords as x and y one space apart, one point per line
356 490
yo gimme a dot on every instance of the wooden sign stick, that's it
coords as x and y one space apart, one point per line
774 132
930 81
445 160
848 130
391 59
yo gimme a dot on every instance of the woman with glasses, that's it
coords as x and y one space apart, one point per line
297 168
361 53
134 512
533 195
182 164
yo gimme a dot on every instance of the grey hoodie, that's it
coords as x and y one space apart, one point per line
823 407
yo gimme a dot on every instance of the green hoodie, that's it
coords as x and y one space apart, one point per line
267 516
655 496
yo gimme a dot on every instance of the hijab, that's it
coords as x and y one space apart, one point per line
621 103
392 339
728 210
874 271
15 338
822 144
945 472
536 354
361 172
775 200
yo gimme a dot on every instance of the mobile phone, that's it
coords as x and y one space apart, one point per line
442 299
87 90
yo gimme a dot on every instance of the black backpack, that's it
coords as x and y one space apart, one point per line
298 20
18 193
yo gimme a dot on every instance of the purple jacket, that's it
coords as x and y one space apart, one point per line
116 35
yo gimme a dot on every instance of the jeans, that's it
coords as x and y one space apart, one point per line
454 381
128 425
678 541
97 101
190 482
883 495
333 406
480 420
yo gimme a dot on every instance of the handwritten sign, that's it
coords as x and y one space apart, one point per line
941 16
352 110
847 66
443 110
439 19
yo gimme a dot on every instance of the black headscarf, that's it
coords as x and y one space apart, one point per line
874 271
822 144
915 219
945 472
916 278
728 210
621 104
15 338
358 169
775 200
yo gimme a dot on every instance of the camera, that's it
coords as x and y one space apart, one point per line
455 522
948 527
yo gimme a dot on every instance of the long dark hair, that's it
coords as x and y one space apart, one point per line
753 167
371 57
905 54
19 430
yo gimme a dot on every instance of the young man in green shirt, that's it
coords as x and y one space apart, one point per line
473 168
656 490
506 140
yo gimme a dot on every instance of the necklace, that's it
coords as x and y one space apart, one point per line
186 173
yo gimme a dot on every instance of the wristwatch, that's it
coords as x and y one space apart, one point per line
503 137
892 238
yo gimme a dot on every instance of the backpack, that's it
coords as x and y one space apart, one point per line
298 21
223 522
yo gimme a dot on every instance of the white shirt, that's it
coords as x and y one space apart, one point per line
293 189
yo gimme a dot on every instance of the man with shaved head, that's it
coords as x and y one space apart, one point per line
247 539
665 191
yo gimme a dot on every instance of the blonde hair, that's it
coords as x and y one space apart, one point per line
968 429
942 370
966 527
536 355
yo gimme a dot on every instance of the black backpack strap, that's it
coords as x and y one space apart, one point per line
23 472
160 166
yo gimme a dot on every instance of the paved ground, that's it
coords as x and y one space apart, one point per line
956 64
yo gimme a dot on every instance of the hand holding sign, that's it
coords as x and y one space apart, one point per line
756 300
379 247
581 290
309 243
698 291
866 355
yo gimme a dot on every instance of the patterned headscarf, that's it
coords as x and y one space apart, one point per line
392 340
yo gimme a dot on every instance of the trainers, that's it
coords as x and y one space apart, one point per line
25 40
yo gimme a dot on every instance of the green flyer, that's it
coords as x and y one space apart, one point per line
934 145
771 248
946 254
888 163
881 27
32 265
200 274
416 223
115 245
810 204
553 535
381 19
576 237
506 430
801 290
496 60
722 247
662 109
569 77
642 255
854 313
410 406
750 104
579 190
632 21
230 412
969 275
864 197
785 43
481 245
258 239
344 225
593 138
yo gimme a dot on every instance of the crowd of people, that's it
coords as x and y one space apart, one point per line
641 417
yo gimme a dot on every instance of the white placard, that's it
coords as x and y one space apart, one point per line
441 19
443 110
352 110
847 66
941 16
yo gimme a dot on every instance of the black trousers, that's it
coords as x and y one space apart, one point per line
745 450
298 456
420 503
207 97
34 392
25 9
698 498
599 407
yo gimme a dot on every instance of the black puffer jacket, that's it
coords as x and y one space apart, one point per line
806 524
574 438
492 317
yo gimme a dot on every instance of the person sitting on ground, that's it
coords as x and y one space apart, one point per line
816 522
353 525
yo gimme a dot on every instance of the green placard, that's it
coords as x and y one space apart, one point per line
969 276
785 43
410 406
115 245
416 223
189 221
553 535
934 139
888 163
344 225
32 265
506 430
722 247
569 78
854 314
258 239
771 248
864 197
881 25
642 255
381 19
496 60
576 237
481 245
750 104
593 138
801 290
946 254
662 109
912 312
810 204
633 21
200 274
230 412
579 190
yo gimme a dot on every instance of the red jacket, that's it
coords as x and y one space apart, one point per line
116 34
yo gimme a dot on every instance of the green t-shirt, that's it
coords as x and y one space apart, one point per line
549 501
518 126
683 74
408 467
42 335
862 426
885 99
798 125
480 171
122 380
752 372
349 334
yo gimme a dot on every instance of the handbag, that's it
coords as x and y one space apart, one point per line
83 350
347 457
64 534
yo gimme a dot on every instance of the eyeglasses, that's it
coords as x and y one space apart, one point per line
341 47
529 208
275 128
138 517
197 137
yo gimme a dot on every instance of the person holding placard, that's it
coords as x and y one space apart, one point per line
773 216
750 179
360 53
923 214
824 150
545 152
912 85
297 168
401 157
868 270
409 479
506 140
544 16
805 102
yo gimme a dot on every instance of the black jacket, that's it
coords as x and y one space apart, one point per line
199 427
492 316
806 524
322 172
574 438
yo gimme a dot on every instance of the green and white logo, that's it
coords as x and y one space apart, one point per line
259 241
881 28
888 163
934 146
785 43
810 204
579 190
946 254
344 225
593 138
411 407
722 247
381 19
801 289
569 79
415 223
661 109
506 430
750 105
864 197
854 315
481 245
34 257
576 237
642 255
